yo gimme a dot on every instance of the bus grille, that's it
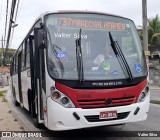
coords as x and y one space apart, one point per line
100 103
95 118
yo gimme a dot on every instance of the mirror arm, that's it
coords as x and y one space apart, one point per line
42 45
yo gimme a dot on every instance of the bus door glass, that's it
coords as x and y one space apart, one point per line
19 76
39 71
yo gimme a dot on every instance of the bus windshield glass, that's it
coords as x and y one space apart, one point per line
100 61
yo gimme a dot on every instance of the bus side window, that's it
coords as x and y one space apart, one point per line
23 52
16 63
12 67
27 54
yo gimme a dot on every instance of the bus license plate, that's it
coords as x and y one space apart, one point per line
108 115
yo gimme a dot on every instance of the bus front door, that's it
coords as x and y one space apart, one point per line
39 75
19 78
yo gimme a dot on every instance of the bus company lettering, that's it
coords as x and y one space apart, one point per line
84 96
65 35
107 83
92 24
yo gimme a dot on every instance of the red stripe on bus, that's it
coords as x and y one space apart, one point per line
92 98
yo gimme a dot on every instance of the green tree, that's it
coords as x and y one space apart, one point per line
153 29
140 33
155 40
9 55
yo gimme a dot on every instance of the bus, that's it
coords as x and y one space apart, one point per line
53 75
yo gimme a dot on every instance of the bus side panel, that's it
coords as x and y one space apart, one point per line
26 85
15 85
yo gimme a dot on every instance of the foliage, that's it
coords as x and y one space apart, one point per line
9 55
153 32
140 33
2 96
153 29
2 93
155 40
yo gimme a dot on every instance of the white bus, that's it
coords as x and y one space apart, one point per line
54 76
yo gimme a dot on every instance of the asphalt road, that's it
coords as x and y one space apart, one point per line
155 94
151 124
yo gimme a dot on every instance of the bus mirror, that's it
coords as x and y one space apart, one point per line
39 38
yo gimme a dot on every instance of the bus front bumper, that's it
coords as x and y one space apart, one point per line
61 118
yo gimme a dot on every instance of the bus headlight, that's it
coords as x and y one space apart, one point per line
143 94
61 98
55 95
64 100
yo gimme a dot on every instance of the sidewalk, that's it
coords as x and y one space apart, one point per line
7 121
4 88
155 94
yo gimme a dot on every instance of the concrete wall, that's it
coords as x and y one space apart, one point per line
154 75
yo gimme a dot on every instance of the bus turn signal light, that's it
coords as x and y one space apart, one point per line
45 109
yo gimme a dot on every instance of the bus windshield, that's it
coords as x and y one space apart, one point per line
100 61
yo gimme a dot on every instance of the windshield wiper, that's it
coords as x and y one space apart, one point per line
79 58
120 56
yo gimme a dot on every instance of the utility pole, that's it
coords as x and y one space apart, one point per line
145 29
2 47
145 33
2 63
10 26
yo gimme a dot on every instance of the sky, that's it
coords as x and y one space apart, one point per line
29 10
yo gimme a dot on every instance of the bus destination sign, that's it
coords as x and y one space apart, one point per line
91 24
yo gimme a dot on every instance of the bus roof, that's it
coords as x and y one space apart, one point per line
86 11
78 11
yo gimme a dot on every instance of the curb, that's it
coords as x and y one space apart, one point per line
155 102
154 87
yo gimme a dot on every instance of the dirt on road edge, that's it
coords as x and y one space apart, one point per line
7 121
